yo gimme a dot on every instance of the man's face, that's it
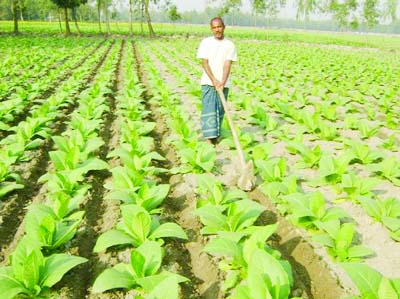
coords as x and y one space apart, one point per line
218 29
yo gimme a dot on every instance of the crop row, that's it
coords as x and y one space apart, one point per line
22 96
134 184
309 209
251 268
34 265
31 133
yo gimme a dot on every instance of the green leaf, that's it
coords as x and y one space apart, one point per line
166 289
151 282
223 247
211 216
115 278
112 238
359 251
168 230
152 253
365 278
7 187
386 290
56 266
9 286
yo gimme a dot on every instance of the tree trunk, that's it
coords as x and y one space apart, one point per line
75 20
21 15
141 17
130 18
99 13
107 19
59 20
67 29
146 10
14 7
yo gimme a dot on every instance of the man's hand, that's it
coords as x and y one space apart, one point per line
218 85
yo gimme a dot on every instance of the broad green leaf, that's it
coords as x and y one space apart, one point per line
168 230
112 238
365 278
386 290
9 286
56 266
115 278
223 247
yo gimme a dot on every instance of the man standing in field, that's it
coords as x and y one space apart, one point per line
217 54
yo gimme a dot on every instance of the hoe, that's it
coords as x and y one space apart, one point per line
246 179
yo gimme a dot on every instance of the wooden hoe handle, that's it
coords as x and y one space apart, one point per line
235 136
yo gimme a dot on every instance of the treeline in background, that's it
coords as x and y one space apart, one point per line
379 16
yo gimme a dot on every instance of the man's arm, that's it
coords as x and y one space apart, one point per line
226 71
209 73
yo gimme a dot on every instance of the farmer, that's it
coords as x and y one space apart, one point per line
217 54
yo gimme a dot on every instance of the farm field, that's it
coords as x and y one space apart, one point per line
108 190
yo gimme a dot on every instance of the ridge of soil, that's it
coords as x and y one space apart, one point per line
78 281
321 268
13 212
178 207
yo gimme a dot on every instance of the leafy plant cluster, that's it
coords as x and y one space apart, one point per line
252 268
331 226
134 184
25 77
35 264
31 133
196 156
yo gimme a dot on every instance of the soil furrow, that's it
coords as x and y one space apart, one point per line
308 267
80 279
179 207
14 211
47 93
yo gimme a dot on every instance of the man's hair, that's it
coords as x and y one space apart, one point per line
217 18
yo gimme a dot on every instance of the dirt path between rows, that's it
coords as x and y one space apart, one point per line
312 274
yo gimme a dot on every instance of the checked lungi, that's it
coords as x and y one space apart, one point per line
212 112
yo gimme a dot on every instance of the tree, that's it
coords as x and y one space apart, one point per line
371 13
147 14
174 14
67 4
305 7
390 10
106 6
130 17
74 15
258 7
99 13
229 5
272 8
15 7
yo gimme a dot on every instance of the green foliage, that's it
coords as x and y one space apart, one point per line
212 192
43 227
371 283
338 238
356 186
232 220
308 210
272 170
361 153
198 159
332 168
142 274
386 211
31 273
389 169
136 227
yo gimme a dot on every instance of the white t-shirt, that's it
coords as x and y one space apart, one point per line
217 52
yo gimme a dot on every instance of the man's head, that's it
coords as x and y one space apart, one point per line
217 27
